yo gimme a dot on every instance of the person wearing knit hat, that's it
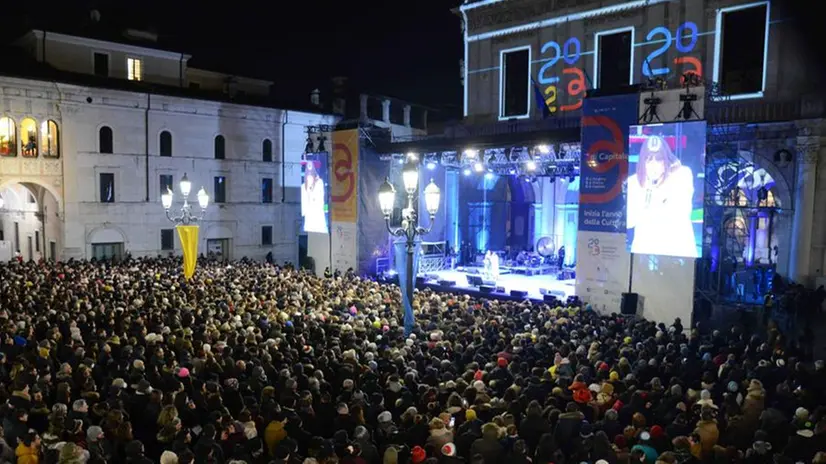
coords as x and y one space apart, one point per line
168 457
417 455
502 362
470 415
449 450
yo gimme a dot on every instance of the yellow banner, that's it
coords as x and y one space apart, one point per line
189 244
344 176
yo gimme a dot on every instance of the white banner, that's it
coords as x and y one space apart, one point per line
602 269
344 246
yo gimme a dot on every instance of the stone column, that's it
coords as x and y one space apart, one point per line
385 111
407 115
808 147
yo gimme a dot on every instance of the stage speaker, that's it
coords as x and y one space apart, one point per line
447 283
474 280
420 281
629 304
486 289
500 289
548 298
521 294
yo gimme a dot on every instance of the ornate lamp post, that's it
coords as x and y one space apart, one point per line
410 228
186 222
185 217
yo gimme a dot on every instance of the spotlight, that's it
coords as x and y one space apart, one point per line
543 149
412 156
478 167
308 148
488 175
431 165
401 161
466 172
530 165
471 153
512 171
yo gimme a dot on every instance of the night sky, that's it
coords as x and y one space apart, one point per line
409 50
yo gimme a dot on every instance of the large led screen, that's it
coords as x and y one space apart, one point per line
314 186
664 191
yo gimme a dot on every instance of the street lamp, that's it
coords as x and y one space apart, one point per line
410 228
185 217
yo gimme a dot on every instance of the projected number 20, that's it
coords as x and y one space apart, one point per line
684 41
570 52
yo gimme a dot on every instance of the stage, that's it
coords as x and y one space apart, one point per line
536 285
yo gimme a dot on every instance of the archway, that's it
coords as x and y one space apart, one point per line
31 221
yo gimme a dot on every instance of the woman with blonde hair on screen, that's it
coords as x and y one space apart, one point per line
312 200
660 196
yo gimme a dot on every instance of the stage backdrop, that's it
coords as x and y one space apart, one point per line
372 232
603 262
344 178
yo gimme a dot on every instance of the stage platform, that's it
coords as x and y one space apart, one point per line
535 285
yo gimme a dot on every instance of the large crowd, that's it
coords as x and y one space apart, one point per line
255 363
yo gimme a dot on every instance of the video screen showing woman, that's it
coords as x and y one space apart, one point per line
660 202
313 199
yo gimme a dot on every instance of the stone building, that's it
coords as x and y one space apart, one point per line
92 131
764 108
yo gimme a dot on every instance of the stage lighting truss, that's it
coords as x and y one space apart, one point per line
317 139
542 160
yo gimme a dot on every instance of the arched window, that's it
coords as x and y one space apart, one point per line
266 150
220 147
28 137
105 140
166 143
49 139
8 137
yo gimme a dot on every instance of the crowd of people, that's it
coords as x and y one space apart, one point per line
255 363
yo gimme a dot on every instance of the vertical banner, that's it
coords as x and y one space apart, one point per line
603 261
344 243
373 245
344 178
400 255
343 199
604 168
188 236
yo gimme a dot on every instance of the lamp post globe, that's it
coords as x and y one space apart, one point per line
387 198
432 197
185 185
410 176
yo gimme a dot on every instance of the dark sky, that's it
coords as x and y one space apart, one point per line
405 49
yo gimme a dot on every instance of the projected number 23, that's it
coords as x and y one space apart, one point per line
570 52
684 39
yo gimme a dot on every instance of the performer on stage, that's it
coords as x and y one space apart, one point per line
488 262
494 266
660 201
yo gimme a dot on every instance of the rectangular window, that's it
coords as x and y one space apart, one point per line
195 85
220 189
266 190
740 49
37 241
17 237
101 64
134 69
167 239
613 65
514 83
266 235
107 187
166 183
